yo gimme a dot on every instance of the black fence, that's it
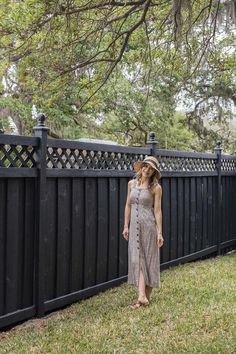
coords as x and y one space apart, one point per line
61 216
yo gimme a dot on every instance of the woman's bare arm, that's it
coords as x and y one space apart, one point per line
158 214
127 213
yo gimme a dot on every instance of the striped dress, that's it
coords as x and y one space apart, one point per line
143 252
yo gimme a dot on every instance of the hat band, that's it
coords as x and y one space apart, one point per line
151 161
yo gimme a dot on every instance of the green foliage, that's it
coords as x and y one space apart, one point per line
116 70
16 108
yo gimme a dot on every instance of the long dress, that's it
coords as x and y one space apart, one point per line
143 252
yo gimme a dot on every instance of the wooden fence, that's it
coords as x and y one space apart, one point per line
61 216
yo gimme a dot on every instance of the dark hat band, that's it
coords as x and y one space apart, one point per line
151 161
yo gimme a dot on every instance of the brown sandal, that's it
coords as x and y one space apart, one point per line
137 304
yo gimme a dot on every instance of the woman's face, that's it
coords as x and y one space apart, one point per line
147 170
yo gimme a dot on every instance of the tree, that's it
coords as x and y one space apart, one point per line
67 53
87 39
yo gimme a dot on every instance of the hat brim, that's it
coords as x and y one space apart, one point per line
138 166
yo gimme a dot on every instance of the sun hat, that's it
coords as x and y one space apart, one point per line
150 160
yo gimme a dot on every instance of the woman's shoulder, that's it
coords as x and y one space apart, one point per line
132 183
156 187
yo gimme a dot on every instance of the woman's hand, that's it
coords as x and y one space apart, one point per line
160 241
126 233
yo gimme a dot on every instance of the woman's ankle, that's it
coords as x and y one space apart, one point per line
143 299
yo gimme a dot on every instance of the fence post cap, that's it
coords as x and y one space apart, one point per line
152 138
41 117
218 146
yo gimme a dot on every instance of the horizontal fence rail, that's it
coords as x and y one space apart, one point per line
61 216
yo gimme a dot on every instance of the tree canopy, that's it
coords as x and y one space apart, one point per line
118 68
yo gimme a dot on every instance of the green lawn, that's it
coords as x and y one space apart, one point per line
194 312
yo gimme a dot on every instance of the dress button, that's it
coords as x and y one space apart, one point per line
137 248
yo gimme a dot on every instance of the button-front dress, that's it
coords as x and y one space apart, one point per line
143 251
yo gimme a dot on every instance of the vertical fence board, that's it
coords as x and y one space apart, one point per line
232 209
166 219
210 239
3 186
227 216
180 202
113 229
204 213
233 220
63 236
215 192
90 251
224 209
186 216
173 219
198 215
50 239
192 214
12 240
102 237
123 245
78 231
20 241
29 244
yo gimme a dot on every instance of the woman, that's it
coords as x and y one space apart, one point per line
143 229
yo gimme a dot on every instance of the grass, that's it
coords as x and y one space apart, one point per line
193 312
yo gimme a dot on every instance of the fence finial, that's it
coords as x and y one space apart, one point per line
40 127
41 119
152 138
218 147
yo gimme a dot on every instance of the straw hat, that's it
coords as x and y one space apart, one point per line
150 160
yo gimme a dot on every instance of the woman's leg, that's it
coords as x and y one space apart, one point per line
148 291
142 296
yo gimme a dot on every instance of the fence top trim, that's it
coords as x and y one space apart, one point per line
19 140
189 154
73 144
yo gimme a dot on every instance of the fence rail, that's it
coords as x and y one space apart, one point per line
61 216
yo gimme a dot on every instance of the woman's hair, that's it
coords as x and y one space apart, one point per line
153 181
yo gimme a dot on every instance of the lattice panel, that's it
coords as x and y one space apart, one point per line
89 159
170 163
17 156
228 165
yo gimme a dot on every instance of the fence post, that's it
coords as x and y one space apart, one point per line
41 132
218 150
152 143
